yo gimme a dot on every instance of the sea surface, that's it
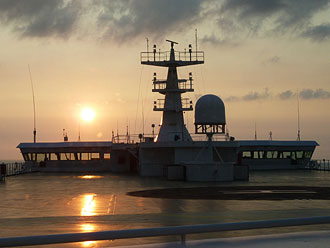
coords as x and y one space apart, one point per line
53 203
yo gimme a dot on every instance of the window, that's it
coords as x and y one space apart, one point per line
255 155
26 156
286 154
269 154
246 154
84 156
33 156
53 156
275 154
95 156
40 157
67 156
308 154
106 155
300 154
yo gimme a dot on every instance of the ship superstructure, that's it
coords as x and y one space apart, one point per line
173 105
173 153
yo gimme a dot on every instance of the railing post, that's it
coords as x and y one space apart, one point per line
183 240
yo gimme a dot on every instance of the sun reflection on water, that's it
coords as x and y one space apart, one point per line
88 208
90 177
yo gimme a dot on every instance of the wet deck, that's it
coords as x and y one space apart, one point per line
40 204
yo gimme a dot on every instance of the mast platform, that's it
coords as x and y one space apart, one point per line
182 58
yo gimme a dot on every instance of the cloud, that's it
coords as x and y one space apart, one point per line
126 20
318 33
305 94
259 17
228 22
214 40
251 96
308 94
286 95
272 60
40 18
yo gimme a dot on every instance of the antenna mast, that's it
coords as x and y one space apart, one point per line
172 127
34 109
196 41
298 136
255 131
147 47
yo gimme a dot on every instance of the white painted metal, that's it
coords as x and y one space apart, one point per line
210 109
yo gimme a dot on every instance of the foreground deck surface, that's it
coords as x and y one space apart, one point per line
316 239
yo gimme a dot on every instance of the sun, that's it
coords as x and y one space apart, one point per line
87 114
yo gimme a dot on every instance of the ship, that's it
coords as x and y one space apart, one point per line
174 153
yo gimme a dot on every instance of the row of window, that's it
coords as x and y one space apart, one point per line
276 154
65 156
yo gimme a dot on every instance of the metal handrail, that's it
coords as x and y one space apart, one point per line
160 231
165 56
15 168
318 164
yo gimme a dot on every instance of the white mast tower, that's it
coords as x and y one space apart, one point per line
172 126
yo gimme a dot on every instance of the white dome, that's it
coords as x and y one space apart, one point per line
210 109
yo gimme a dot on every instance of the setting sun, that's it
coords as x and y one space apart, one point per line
87 114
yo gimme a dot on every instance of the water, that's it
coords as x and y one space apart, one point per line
40 204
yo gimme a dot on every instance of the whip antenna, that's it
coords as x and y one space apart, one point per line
34 109
196 42
298 136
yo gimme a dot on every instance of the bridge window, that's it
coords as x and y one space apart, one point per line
53 156
286 154
308 154
269 154
261 154
33 156
84 156
67 156
299 154
95 156
26 156
40 157
255 155
106 155
247 154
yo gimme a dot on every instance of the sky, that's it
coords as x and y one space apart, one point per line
261 58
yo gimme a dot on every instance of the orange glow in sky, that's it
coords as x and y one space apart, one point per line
87 114
83 69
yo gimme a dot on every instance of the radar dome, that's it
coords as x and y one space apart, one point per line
210 110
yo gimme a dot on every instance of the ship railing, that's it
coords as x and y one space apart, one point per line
14 168
125 138
186 104
181 231
159 84
165 56
132 138
159 104
183 84
318 164
203 137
